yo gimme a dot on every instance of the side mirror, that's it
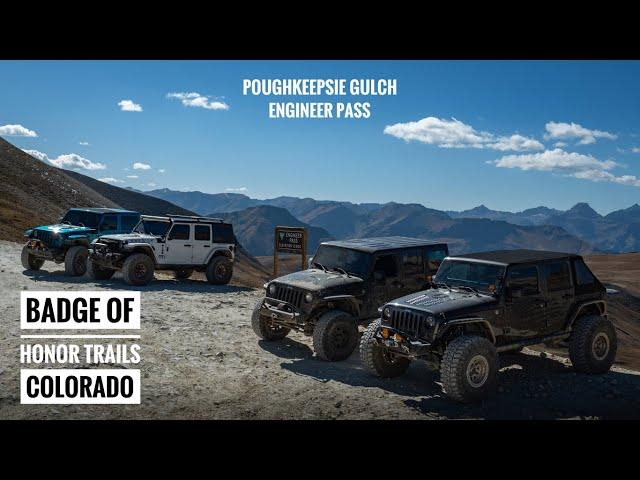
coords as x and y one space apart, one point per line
310 263
379 276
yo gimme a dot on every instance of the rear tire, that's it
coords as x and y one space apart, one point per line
593 344
263 327
138 269
380 362
469 368
96 272
219 270
75 261
29 261
183 273
335 336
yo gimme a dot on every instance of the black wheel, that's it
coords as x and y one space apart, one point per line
379 360
29 261
138 269
219 270
335 336
263 327
184 273
469 368
75 261
593 344
96 272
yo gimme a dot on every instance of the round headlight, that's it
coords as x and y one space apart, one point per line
272 289
308 298
386 313
431 321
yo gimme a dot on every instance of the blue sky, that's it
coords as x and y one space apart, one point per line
510 135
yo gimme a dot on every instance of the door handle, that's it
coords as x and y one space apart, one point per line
187 245
206 246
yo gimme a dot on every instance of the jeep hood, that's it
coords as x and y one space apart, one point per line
64 229
445 301
314 279
127 237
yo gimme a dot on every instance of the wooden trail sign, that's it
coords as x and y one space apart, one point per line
289 240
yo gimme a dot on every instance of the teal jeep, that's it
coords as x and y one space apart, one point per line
67 241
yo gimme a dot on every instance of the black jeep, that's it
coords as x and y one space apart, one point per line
347 282
487 303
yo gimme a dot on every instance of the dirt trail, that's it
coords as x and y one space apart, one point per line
200 359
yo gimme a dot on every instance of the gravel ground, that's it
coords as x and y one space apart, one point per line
201 360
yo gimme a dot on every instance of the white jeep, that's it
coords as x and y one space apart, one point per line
179 243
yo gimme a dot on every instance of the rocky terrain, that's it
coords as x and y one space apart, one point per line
201 360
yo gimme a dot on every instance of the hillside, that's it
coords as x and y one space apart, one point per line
32 192
130 199
254 228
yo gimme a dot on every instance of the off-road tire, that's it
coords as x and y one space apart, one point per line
335 336
381 363
262 327
96 272
75 261
219 270
586 348
30 262
138 269
183 273
461 354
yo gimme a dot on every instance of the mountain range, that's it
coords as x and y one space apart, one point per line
579 229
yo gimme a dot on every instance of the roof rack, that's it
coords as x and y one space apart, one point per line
196 218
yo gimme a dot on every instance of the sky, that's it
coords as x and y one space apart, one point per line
507 134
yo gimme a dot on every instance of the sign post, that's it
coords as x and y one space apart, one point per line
289 240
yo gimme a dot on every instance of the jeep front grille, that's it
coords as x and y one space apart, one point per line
406 321
44 236
289 295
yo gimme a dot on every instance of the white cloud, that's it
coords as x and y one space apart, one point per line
110 180
129 106
194 99
151 184
132 176
561 130
573 164
84 144
635 149
456 134
16 131
161 170
560 144
141 166
236 189
36 154
69 160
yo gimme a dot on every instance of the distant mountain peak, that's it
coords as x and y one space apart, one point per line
584 210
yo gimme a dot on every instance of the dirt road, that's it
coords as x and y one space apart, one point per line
201 360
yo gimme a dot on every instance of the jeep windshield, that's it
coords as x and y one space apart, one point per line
152 227
82 218
336 258
479 276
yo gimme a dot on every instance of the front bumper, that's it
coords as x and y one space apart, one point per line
282 313
39 250
405 345
101 256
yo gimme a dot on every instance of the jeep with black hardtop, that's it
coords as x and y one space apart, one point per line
346 283
67 241
173 242
484 304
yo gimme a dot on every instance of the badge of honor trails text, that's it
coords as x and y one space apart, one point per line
79 311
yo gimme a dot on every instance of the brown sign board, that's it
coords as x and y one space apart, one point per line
289 240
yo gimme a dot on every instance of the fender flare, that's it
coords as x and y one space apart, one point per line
217 252
349 299
602 306
141 248
466 321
